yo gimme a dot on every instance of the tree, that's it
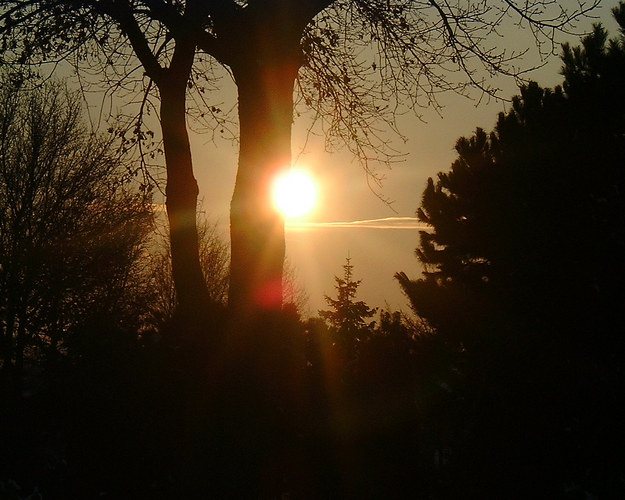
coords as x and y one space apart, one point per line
267 47
347 316
214 260
72 226
524 266
295 297
549 168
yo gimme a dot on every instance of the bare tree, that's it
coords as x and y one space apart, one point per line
294 294
71 226
214 261
356 63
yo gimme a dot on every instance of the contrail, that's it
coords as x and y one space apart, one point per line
384 223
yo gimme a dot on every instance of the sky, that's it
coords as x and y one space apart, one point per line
350 220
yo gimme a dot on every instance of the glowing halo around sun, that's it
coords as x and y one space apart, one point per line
294 193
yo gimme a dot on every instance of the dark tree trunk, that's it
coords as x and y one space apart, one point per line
256 228
182 193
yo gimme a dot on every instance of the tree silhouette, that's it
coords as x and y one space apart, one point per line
214 259
267 47
550 168
72 227
347 316
522 270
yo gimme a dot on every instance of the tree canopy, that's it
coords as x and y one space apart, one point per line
348 316
413 51
530 214
523 270
72 228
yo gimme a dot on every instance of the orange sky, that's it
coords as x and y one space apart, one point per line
317 253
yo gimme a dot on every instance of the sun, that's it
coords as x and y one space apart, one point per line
294 193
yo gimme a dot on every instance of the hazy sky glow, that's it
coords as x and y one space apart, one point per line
385 223
381 239
348 216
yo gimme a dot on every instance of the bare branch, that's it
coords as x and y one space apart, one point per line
121 12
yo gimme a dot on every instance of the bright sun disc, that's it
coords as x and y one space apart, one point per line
294 193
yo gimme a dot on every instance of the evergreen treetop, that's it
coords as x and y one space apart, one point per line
347 315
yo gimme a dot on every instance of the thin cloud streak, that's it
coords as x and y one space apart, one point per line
385 223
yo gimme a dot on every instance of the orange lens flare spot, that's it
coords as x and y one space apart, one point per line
269 296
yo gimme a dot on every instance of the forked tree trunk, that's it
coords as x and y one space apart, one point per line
256 228
182 194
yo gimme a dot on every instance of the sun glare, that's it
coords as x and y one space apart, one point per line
294 193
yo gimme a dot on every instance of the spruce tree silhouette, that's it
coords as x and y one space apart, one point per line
348 316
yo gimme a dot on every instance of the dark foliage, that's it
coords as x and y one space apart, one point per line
71 230
524 265
264 408
506 392
348 318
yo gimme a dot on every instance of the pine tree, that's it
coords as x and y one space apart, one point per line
347 316
525 267
529 220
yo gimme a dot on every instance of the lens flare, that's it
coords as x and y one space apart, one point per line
294 193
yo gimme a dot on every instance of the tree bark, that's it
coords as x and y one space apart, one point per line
256 227
182 193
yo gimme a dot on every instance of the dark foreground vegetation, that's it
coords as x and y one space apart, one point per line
508 385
